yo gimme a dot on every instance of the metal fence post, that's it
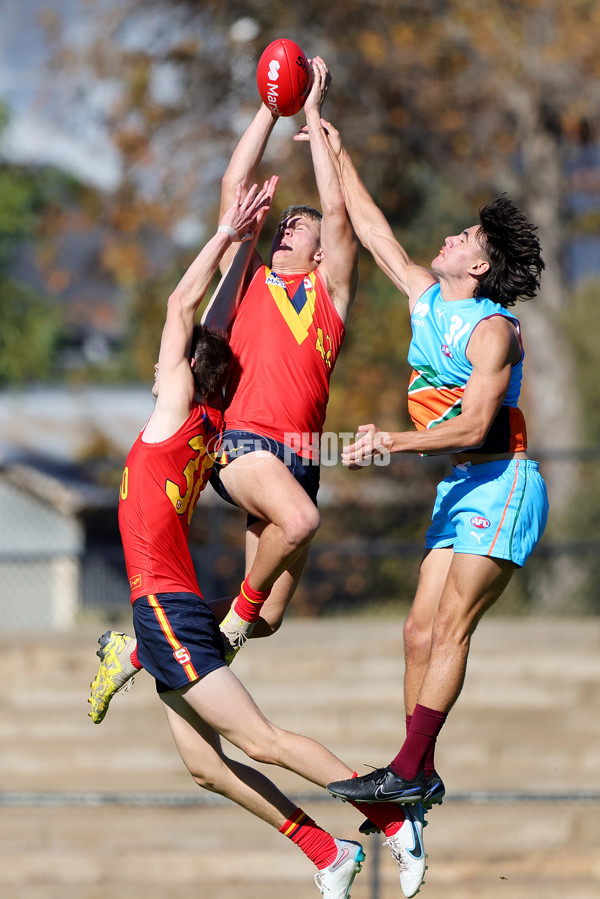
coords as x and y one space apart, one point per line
375 864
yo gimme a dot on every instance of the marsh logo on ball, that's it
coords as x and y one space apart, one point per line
283 77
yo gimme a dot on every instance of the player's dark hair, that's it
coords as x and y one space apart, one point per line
212 359
513 250
308 212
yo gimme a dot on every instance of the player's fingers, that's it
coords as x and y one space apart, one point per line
354 460
357 448
264 197
329 128
249 198
302 134
319 68
273 182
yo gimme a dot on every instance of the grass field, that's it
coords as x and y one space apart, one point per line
521 746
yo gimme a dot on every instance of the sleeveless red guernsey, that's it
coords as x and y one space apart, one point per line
159 491
286 338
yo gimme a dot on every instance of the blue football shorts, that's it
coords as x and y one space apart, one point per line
239 443
496 509
178 638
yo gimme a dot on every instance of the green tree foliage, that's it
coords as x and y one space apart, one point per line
29 336
31 326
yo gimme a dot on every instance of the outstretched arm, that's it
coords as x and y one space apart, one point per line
371 226
340 250
176 383
243 166
374 232
223 304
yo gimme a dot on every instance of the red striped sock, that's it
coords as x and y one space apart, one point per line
249 602
318 845
134 659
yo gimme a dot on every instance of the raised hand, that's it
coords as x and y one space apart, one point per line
247 213
333 136
320 85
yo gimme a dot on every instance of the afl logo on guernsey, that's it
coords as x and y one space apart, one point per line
446 351
478 521
308 284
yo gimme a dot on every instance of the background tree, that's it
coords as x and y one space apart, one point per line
31 323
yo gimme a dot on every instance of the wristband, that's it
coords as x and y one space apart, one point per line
227 229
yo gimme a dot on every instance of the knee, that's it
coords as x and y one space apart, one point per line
260 752
301 526
417 637
450 630
267 749
208 780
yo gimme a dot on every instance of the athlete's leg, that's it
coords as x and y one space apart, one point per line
472 586
261 484
200 750
419 624
283 589
337 861
222 701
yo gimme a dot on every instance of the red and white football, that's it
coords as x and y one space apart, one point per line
284 77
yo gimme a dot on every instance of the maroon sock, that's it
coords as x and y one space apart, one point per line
429 764
425 725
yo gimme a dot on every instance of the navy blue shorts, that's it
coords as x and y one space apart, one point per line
178 638
240 443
